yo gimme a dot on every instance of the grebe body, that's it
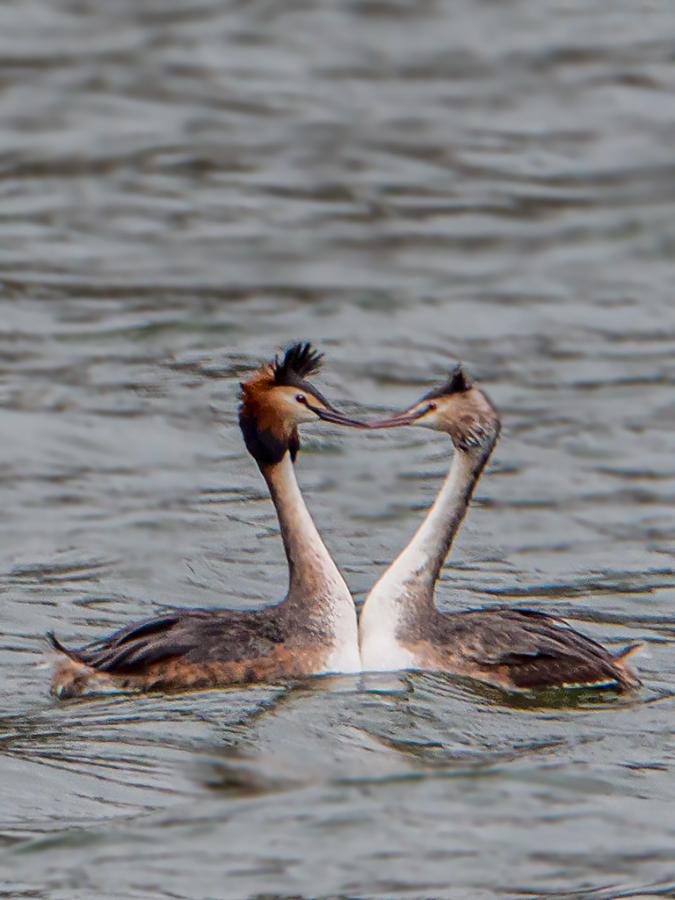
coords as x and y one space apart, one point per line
312 631
400 627
198 648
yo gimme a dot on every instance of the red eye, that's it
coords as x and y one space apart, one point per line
432 406
301 398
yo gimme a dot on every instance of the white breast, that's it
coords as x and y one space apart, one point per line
379 625
343 660
383 654
344 657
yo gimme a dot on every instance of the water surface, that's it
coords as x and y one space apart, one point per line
186 186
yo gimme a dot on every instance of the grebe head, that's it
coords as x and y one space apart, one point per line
277 398
455 407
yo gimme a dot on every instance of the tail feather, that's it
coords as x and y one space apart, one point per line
70 678
61 648
627 652
621 660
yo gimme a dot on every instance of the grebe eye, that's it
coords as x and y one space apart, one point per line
301 398
432 407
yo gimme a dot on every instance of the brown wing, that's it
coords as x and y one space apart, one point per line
534 649
194 636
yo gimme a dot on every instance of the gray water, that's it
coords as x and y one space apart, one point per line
185 187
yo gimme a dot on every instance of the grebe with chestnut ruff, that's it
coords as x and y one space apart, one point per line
312 631
400 627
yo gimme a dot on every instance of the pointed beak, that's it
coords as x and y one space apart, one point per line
407 417
329 414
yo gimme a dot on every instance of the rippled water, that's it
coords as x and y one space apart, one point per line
185 187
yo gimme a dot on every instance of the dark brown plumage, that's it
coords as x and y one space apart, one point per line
195 648
457 382
299 361
517 648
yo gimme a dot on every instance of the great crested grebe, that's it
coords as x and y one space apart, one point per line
400 627
312 631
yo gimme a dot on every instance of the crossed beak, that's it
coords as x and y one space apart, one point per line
407 417
330 414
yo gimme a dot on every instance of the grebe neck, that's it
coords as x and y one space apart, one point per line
316 588
309 562
404 594
424 556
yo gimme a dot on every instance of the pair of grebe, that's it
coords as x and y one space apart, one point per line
315 630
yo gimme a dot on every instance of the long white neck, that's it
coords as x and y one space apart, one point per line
315 584
406 590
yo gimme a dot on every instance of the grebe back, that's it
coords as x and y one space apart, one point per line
312 631
400 627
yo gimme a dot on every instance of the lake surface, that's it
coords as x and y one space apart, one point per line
187 186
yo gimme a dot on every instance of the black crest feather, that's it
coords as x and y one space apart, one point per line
299 361
458 383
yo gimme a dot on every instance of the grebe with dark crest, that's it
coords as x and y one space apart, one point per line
312 631
400 627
